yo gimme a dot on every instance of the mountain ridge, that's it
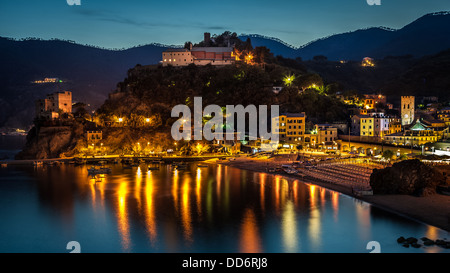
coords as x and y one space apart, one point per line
91 72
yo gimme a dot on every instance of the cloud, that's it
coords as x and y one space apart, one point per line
106 16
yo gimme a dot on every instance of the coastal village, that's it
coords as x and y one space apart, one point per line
418 125
349 157
226 136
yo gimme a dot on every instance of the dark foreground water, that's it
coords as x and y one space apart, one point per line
214 209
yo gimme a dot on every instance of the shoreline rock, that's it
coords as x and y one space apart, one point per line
411 177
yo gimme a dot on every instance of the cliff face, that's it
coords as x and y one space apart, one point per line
50 142
407 177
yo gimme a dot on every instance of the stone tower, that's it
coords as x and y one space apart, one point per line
407 109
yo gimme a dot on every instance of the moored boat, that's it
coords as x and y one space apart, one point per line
93 171
37 163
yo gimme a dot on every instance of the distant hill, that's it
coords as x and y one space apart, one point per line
275 45
427 35
392 76
90 73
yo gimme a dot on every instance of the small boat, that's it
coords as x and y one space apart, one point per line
94 171
181 166
105 170
4 165
202 166
272 170
153 168
290 170
135 165
38 163
79 161
50 163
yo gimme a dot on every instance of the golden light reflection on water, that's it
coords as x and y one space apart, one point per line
312 196
335 204
284 191
137 190
150 211
198 187
277 193
97 184
250 241
363 218
433 234
186 211
314 221
289 228
271 196
175 190
322 192
262 190
166 211
124 229
295 191
93 190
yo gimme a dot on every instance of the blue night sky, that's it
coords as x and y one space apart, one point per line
117 24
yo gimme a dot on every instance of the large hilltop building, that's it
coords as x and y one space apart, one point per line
198 55
54 104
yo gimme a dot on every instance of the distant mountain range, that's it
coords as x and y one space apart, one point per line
427 35
91 73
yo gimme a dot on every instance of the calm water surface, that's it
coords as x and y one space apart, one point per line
214 209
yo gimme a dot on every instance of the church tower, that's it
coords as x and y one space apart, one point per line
407 109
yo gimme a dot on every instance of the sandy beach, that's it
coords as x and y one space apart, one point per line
433 210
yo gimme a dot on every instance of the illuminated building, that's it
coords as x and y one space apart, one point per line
444 115
93 136
407 109
368 62
54 104
326 135
420 133
374 125
291 127
371 101
48 80
177 57
198 55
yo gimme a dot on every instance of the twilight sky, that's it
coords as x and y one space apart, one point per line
120 23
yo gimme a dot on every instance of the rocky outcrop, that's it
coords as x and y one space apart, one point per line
406 177
50 142
414 242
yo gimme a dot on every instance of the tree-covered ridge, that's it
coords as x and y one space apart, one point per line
152 92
